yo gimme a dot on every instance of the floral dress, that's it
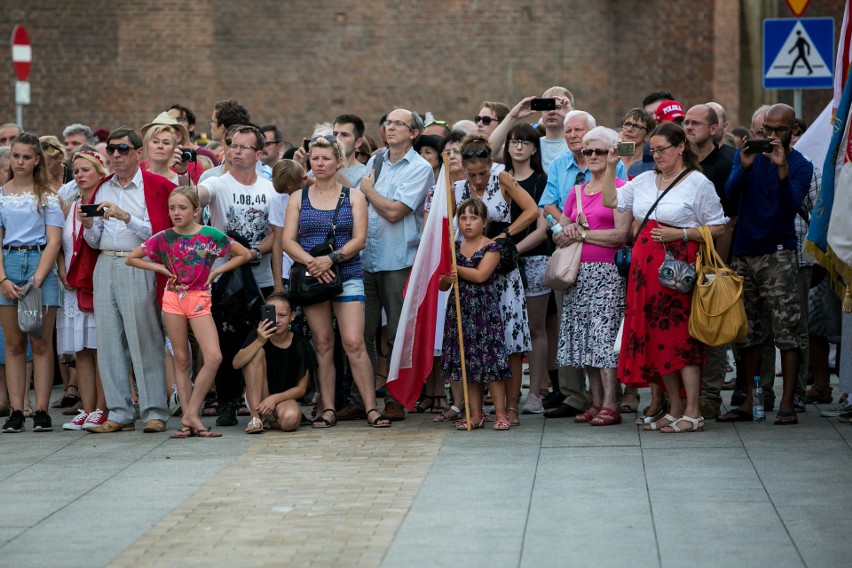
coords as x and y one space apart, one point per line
513 303
486 356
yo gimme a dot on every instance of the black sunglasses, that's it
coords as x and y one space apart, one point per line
480 153
486 120
581 177
327 137
123 149
596 152
46 145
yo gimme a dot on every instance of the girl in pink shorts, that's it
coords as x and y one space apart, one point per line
186 254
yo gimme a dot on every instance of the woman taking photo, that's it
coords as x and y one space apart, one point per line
75 328
594 305
522 153
31 229
656 344
498 190
635 127
307 224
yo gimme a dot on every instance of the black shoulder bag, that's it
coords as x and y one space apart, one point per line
305 290
624 255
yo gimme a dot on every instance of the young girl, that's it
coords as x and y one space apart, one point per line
486 356
185 254
31 223
276 365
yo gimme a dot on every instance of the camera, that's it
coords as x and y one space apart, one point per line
188 155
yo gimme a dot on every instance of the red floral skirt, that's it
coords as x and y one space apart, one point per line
656 338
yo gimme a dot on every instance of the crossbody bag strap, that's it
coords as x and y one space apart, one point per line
579 193
654 206
332 234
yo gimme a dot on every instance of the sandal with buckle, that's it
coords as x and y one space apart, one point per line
68 400
381 421
646 419
474 423
588 414
322 422
517 420
697 425
502 422
657 424
450 415
255 426
425 404
606 417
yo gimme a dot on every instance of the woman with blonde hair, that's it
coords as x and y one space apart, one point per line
54 158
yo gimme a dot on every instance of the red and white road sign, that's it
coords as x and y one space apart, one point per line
22 53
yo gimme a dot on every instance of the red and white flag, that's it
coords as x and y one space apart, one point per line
414 346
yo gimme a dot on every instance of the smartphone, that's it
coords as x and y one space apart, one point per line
543 104
91 210
267 313
759 145
306 144
626 148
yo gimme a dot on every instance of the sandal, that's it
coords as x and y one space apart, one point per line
502 422
657 424
437 407
322 422
424 406
627 407
474 425
185 432
517 420
205 433
68 400
785 418
646 419
606 417
381 421
818 395
255 426
697 425
587 415
211 408
450 415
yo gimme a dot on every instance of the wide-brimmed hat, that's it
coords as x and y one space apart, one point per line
166 119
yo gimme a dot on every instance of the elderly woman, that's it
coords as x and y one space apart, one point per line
656 344
594 305
429 147
635 127
500 191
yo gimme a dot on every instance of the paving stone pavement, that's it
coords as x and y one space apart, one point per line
549 493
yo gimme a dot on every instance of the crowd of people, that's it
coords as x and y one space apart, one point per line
161 261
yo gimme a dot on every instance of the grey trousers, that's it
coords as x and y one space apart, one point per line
572 382
129 332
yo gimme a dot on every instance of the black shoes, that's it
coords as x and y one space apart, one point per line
552 400
42 422
227 416
15 423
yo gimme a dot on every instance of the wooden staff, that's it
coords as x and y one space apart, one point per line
450 207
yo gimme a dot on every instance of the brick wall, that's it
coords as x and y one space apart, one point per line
299 62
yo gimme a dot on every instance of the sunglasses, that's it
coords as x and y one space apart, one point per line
123 149
480 153
580 178
596 152
46 145
328 137
438 122
486 120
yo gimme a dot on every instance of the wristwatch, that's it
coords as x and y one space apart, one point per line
583 233
257 254
336 257
506 232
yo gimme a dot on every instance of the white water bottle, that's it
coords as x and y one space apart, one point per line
757 412
555 227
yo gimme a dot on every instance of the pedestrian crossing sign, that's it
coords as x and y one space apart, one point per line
798 53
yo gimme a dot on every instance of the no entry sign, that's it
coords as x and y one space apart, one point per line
22 53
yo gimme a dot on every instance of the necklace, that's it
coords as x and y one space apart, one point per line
667 180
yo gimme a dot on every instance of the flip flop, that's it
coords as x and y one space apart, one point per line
785 418
735 415
183 433
205 433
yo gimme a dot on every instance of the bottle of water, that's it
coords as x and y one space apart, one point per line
758 415
555 227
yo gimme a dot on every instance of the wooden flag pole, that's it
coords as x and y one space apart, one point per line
450 206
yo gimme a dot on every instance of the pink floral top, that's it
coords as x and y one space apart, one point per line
189 257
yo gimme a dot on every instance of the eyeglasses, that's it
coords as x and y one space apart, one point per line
451 152
654 151
240 147
777 131
327 137
397 123
522 143
627 125
579 178
595 151
486 120
123 149
480 153
437 122
211 122
271 142
688 123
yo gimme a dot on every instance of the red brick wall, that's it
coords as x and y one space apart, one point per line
299 62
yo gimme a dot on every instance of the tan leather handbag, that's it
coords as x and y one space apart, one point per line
564 263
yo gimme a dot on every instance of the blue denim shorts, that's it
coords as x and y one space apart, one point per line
20 267
3 348
353 291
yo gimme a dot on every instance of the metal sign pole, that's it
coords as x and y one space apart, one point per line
797 101
19 116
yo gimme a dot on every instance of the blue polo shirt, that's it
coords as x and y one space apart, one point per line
561 177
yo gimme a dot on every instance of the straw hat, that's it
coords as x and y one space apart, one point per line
166 119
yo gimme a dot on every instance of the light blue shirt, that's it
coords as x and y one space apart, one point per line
561 177
391 246
25 224
550 149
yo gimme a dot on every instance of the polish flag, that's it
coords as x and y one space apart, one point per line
414 346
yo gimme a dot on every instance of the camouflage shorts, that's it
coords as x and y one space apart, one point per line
771 297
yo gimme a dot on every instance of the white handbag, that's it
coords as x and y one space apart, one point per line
564 264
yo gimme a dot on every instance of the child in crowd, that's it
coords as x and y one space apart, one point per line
486 357
186 254
276 365
287 176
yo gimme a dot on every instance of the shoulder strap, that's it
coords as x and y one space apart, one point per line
654 206
578 192
343 194
378 161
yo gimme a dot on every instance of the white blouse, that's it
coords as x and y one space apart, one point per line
691 203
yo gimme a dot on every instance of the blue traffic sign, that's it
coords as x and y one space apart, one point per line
798 53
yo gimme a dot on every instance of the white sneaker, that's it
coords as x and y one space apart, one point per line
532 405
77 423
174 402
95 418
841 408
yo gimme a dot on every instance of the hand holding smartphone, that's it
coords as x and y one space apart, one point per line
91 210
541 104
759 146
267 313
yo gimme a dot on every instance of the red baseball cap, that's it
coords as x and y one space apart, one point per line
669 111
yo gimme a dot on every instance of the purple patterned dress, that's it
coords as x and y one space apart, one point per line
486 356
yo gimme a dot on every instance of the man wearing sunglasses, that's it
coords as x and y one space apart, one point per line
395 219
135 206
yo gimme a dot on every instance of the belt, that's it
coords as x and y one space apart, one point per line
28 248
118 253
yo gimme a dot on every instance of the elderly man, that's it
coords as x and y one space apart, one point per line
8 132
135 206
395 191
770 188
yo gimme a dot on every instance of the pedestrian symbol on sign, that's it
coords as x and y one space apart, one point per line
801 46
